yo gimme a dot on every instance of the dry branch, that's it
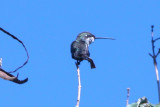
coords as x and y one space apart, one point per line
128 93
0 62
79 85
14 37
154 56
7 76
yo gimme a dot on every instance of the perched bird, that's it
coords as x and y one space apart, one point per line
80 47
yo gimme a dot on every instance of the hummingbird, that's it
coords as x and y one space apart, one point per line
80 47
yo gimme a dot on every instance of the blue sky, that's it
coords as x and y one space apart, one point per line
47 28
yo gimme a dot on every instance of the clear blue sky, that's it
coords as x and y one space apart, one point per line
47 28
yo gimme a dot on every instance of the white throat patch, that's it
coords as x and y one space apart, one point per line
90 40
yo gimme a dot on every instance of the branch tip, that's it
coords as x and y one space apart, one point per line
150 55
152 28
128 89
128 94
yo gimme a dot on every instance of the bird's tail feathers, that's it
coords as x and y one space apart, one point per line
91 63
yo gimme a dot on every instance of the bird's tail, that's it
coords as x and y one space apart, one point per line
91 63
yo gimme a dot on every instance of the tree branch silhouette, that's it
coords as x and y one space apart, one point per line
14 37
154 56
128 94
7 76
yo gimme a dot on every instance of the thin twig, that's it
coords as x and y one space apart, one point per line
128 93
156 39
150 55
22 45
79 85
154 56
0 62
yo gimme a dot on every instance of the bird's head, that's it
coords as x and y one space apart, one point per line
88 37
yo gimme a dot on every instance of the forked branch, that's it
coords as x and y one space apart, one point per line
154 56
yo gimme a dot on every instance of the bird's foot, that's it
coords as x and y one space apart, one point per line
77 63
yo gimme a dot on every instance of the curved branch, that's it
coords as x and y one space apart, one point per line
22 45
7 76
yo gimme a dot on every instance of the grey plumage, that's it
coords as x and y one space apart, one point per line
80 47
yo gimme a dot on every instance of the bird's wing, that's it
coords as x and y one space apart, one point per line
73 49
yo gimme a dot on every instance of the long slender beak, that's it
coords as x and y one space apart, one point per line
104 38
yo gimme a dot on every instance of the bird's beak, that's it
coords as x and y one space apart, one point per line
104 38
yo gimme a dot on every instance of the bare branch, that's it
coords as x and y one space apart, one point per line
14 37
154 56
0 62
128 93
7 76
157 53
156 39
150 55
152 30
79 85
